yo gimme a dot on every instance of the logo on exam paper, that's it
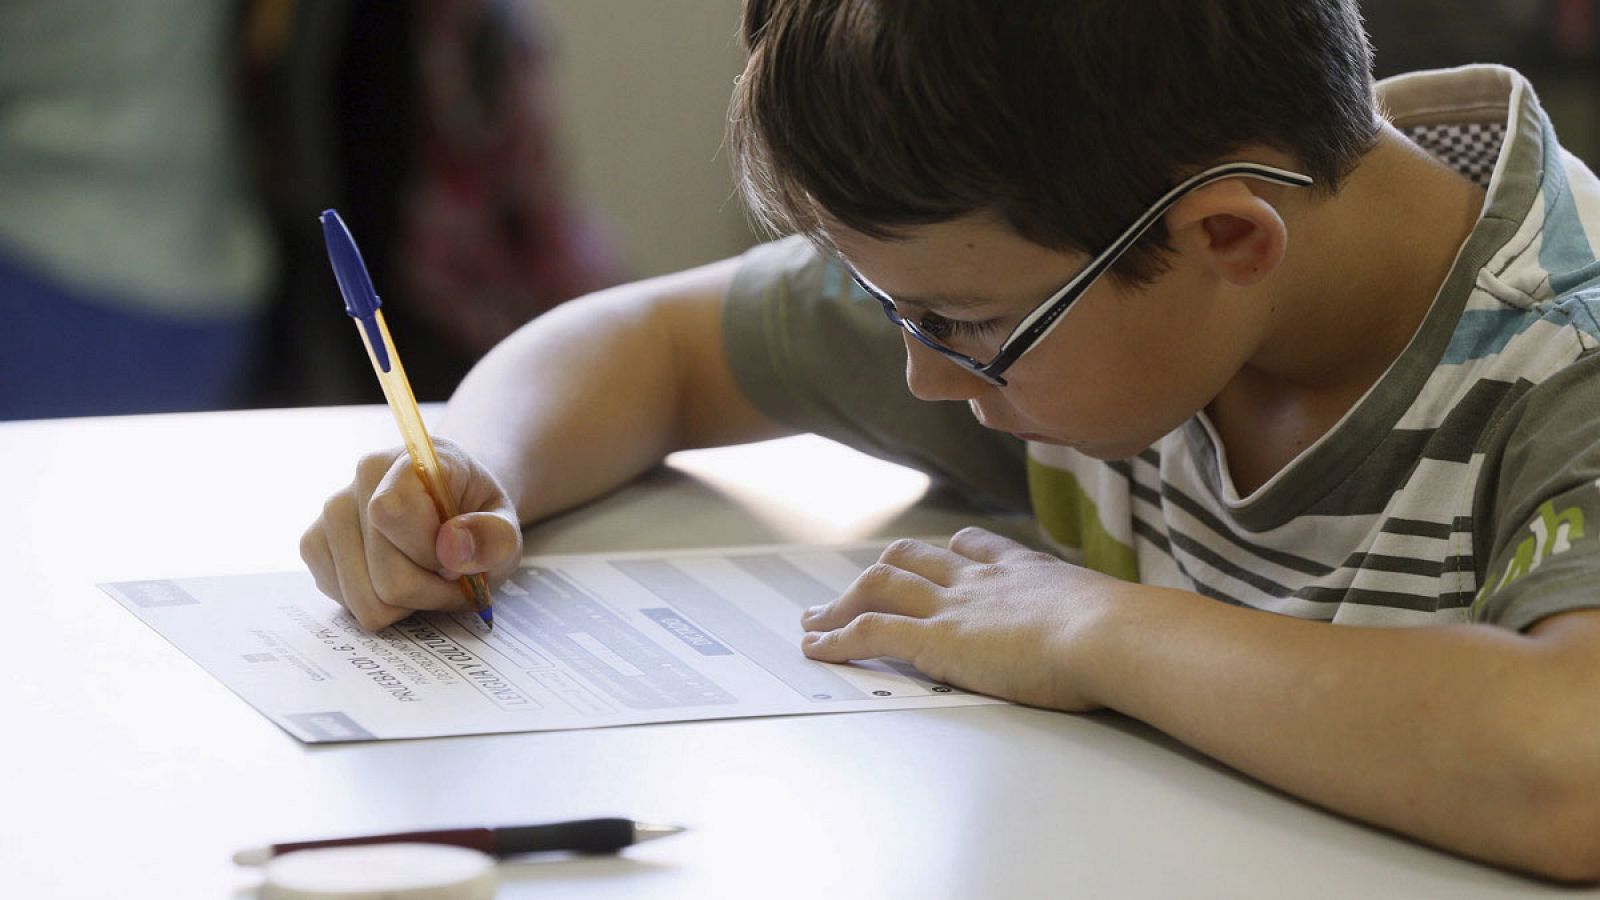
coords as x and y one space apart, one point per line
330 726
152 594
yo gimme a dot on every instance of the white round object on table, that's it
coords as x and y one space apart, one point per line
386 871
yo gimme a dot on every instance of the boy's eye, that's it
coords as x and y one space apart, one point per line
940 328
934 326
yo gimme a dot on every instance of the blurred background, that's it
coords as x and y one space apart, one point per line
163 162
1556 43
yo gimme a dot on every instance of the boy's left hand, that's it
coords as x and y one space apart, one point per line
987 614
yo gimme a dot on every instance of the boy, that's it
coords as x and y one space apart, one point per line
1315 361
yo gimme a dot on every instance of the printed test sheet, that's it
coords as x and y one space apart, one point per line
579 641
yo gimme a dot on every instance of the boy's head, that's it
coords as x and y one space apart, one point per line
974 163
1062 119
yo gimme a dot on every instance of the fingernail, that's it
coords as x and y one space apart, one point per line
462 543
812 613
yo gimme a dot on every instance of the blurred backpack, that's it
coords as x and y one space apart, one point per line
431 126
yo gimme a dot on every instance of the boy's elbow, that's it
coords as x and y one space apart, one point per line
1555 743
1569 841
1567 859
1560 831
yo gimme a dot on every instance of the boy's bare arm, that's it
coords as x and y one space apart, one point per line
574 404
596 391
1470 737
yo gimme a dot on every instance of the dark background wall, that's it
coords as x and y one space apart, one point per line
1556 43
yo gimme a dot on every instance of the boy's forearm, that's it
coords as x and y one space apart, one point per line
1469 737
597 391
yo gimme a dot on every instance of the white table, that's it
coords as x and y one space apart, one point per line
131 773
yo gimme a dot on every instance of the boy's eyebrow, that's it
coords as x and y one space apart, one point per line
946 302
942 302
931 302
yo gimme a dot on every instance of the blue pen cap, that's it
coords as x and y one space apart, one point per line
360 300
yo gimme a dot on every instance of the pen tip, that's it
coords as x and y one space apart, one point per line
645 831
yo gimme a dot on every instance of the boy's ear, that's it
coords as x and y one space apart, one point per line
1239 235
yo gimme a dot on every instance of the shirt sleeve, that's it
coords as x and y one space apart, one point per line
815 353
1543 495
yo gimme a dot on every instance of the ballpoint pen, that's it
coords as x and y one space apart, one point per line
581 836
362 304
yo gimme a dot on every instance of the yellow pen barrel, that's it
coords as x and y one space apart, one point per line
403 403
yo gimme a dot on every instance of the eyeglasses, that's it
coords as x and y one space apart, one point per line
1047 315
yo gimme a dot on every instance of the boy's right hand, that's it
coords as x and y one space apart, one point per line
379 548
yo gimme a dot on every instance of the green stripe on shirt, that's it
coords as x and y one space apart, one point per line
1071 518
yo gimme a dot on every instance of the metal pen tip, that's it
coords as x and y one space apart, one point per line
252 856
645 831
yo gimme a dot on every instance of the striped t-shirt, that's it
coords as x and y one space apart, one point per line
1464 486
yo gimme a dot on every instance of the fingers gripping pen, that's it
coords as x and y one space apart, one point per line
362 304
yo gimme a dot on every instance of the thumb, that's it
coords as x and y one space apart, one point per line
479 542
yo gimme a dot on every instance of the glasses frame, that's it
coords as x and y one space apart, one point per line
1043 319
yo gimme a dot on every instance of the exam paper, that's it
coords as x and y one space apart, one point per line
580 641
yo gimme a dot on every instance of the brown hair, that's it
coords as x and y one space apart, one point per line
1062 118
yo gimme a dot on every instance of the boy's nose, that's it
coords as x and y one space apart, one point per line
932 377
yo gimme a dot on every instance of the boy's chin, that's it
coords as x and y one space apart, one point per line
1110 451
